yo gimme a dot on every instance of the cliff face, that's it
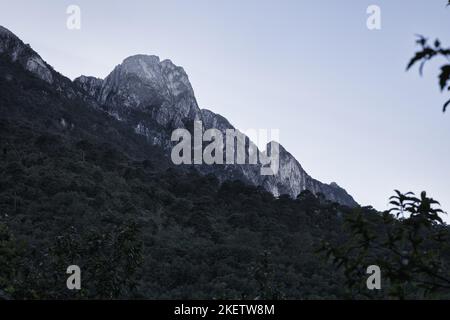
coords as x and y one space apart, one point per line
12 47
155 97
16 51
146 84
292 179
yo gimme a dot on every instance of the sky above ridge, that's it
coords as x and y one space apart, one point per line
337 91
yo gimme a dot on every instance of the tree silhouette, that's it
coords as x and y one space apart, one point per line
409 250
428 52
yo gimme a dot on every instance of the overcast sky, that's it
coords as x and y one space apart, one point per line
338 92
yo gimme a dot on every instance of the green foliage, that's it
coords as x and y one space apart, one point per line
412 251
138 231
94 194
9 255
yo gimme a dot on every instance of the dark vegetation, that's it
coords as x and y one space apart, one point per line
88 191
429 52
410 243
140 232
137 232
78 187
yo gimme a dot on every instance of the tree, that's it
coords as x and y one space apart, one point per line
9 256
409 243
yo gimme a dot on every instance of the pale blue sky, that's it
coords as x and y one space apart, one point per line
338 92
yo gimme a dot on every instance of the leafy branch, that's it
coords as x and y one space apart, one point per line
408 244
427 53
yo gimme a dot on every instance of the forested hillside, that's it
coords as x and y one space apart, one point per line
79 188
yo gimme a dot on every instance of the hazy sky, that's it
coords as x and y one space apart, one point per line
338 92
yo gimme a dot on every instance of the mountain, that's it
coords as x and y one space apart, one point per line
79 186
292 179
86 180
146 84
18 52
52 104
155 97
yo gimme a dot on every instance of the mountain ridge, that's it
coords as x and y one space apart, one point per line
155 97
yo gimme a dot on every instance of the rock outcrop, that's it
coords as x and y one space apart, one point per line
155 97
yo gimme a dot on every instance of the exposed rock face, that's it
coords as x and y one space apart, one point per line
146 84
250 173
13 49
214 120
19 52
292 179
92 86
155 97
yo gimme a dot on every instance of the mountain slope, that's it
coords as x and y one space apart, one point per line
156 97
80 187
293 179
153 98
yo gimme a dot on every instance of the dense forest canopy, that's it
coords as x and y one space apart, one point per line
89 192
78 187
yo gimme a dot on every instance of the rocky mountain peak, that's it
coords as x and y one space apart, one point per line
171 80
146 67
155 97
144 83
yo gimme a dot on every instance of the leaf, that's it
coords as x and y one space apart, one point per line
444 52
421 40
418 56
432 201
446 105
424 55
444 76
